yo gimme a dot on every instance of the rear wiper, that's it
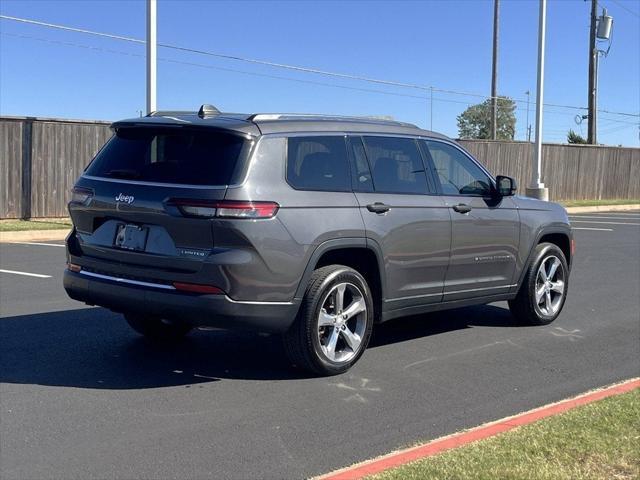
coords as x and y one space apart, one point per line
123 173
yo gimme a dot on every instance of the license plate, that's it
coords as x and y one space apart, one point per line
131 237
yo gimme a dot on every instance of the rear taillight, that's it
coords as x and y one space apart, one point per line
197 288
225 208
81 196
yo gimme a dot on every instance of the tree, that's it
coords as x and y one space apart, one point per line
475 121
573 137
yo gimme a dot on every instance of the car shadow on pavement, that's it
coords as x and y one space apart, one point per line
95 348
417 326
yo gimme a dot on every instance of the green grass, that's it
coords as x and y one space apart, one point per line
25 225
596 441
594 203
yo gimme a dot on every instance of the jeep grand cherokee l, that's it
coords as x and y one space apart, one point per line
316 227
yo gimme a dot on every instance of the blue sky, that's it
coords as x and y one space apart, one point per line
446 44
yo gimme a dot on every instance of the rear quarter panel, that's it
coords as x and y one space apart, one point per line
279 249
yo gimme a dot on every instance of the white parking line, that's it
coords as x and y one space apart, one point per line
41 244
26 274
597 229
602 217
610 213
603 223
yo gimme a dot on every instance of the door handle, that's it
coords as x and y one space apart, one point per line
378 207
462 208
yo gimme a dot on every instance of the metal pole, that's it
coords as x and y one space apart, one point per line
494 73
593 54
152 44
528 128
595 99
431 104
537 189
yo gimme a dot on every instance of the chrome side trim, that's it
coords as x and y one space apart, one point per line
448 293
248 302
154 184
480 289
412 297
169 287
127 280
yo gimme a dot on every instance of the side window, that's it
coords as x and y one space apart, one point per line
396 165
318 163
360 172
457 173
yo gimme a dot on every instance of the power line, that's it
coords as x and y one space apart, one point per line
624 7
219 55
214 67
225 69
286 66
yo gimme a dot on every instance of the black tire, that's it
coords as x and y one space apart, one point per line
157 328
302 342
525 308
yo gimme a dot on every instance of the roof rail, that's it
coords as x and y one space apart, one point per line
164 113
256 117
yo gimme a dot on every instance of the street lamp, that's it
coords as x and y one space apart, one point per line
536 188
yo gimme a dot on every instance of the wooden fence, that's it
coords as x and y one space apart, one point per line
571 172
40 160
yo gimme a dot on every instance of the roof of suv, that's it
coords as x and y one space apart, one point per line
258 124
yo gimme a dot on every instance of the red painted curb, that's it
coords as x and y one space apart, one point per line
402 457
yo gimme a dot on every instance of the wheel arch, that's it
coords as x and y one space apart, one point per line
356 253
559 235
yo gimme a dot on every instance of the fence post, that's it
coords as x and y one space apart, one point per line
27 149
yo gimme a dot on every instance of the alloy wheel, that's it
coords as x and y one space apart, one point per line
550 286
342 322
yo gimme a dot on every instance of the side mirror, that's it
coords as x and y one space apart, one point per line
506 186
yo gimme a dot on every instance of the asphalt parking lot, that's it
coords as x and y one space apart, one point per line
81 396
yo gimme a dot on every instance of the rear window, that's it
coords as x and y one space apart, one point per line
396 165
318 163
192 157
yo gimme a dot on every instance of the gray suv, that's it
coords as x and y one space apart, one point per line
316 227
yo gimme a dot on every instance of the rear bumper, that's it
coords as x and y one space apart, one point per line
197 309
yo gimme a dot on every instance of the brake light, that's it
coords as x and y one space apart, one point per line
225 208
197 288
81 196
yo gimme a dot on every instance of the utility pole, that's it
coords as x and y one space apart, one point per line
152 44
593 72
537 189
494 73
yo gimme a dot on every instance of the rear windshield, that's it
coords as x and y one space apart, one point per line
193 157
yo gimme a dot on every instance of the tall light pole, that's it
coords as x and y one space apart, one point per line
152 44
536 188
431 105
528 127
494 72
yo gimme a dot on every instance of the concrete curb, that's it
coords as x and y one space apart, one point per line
33 236
402 457
603 208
